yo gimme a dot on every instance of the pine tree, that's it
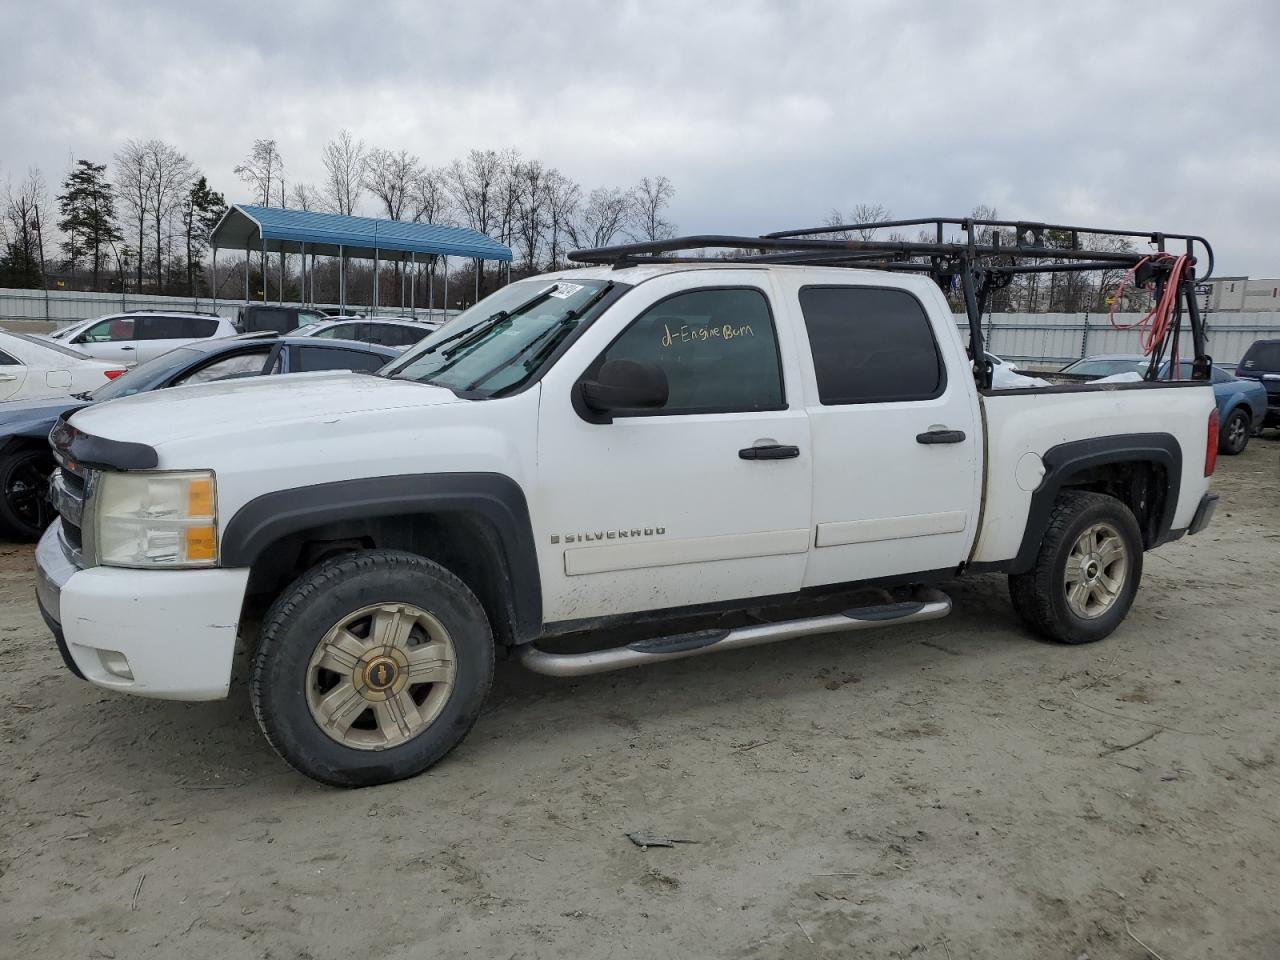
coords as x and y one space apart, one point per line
88 209
201 211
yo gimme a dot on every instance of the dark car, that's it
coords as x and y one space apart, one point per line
1261 362
25 458
275 318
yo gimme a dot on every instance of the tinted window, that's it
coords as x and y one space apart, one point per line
395 335
870 345
176 328
334 358
8 361
269 318
1262 357
717 348
248 364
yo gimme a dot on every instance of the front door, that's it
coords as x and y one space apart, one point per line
897 442
114 339
703 499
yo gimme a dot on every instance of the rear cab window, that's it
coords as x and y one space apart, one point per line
871 345
1262 358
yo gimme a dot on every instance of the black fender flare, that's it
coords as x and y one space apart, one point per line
1067 460
491 496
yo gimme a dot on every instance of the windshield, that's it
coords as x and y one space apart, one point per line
1262 357
147 376
503 339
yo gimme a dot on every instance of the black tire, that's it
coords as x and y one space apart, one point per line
1040 595
313 605
25 510
1234 435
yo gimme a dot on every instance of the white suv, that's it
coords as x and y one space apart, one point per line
137 337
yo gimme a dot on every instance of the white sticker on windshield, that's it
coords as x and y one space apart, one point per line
564 291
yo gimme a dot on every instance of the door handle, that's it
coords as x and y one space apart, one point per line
128 348
6 377
940 436
770 451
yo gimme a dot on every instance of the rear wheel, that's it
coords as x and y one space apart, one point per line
372 666
1234 436
24 493
1086 573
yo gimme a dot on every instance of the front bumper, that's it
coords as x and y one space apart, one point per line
168 634
1204 513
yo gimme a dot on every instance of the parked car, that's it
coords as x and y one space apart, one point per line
275 318
1261 363
390 333
31 367
1242 403
26 460
675 446
137 337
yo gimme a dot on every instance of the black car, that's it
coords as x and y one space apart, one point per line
25 458
275 318
1262 362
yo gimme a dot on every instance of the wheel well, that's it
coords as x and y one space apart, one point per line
466 544
1141 485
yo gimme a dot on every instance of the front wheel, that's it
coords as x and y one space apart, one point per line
24 493
1234 433
372 666
1086 573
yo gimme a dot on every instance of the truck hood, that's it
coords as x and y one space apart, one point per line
215 409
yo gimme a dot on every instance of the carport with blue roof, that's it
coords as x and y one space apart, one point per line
256 229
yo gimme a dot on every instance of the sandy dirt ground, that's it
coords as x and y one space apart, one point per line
948 790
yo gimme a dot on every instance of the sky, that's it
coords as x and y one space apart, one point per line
764 115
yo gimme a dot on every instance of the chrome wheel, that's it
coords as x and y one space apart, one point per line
381 676
1096 571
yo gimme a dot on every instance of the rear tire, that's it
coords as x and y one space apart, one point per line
24 492
1235 433
372 666
1086 573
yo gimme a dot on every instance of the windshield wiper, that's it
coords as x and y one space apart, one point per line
87 395
476 331
547 340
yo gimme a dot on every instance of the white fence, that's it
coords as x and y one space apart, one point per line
1052 339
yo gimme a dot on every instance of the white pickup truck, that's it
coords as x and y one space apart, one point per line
707 454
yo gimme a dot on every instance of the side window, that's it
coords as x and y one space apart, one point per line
8 361
870 345
335 358
340 331
226 368
402 336
118 328
717 347
175 328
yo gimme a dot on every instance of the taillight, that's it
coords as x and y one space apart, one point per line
112 374
1211 444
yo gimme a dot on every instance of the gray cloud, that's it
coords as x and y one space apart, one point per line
765 115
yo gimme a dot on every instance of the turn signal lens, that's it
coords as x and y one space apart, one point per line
201 544
200 497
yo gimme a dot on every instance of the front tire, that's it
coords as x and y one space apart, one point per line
1234 433
1086 573
24 493
371 667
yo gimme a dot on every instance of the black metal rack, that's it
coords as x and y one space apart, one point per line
985 258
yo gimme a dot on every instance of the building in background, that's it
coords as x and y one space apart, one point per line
1239 293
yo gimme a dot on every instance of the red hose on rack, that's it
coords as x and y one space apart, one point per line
1156 322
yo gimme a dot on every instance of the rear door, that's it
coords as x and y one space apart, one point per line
159 334
704 499
896 435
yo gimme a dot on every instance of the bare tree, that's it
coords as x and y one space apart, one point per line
392 178
530 178
304 196
649 199
429 198
563 198
170 180
133 180
476 187
26 222
344 163
262 170
603 218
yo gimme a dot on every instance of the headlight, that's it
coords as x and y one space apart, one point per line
162 519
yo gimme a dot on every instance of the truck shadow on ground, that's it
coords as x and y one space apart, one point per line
144 744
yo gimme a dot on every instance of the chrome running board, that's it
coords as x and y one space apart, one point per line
928 604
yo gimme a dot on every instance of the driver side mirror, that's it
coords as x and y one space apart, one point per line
625 385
